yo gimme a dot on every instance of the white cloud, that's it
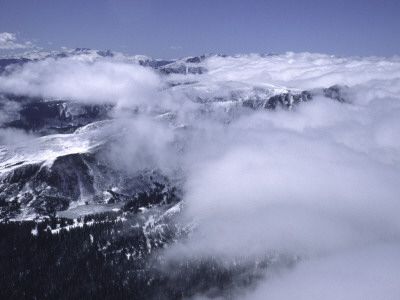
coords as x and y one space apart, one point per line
375 76
86 80
360 274
320 181
298 191
8 41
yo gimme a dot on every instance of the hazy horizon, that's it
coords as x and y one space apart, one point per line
189 28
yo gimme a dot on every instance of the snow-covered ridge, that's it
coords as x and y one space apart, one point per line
79 53
82 92
47 148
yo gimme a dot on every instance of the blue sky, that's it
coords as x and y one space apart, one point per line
177 28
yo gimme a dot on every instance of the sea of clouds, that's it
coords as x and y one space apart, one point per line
320 182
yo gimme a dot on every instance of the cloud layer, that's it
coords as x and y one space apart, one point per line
320 181
84 79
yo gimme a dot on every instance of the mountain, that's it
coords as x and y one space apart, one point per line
32 56
97 186
66 167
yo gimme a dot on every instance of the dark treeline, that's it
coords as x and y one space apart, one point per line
112 256
87 262
101 261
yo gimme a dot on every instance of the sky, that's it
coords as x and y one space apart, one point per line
178 28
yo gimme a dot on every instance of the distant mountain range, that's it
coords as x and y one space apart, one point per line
36 183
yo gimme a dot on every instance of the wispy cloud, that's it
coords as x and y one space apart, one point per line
176 47
8 41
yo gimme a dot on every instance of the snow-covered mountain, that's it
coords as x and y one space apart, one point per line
32 56
60 171
65 167
205 173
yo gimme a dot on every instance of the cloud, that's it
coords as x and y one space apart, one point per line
143 144
12 136
293 191
320 182
85 80
365 273
8 110
8 41
372 75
